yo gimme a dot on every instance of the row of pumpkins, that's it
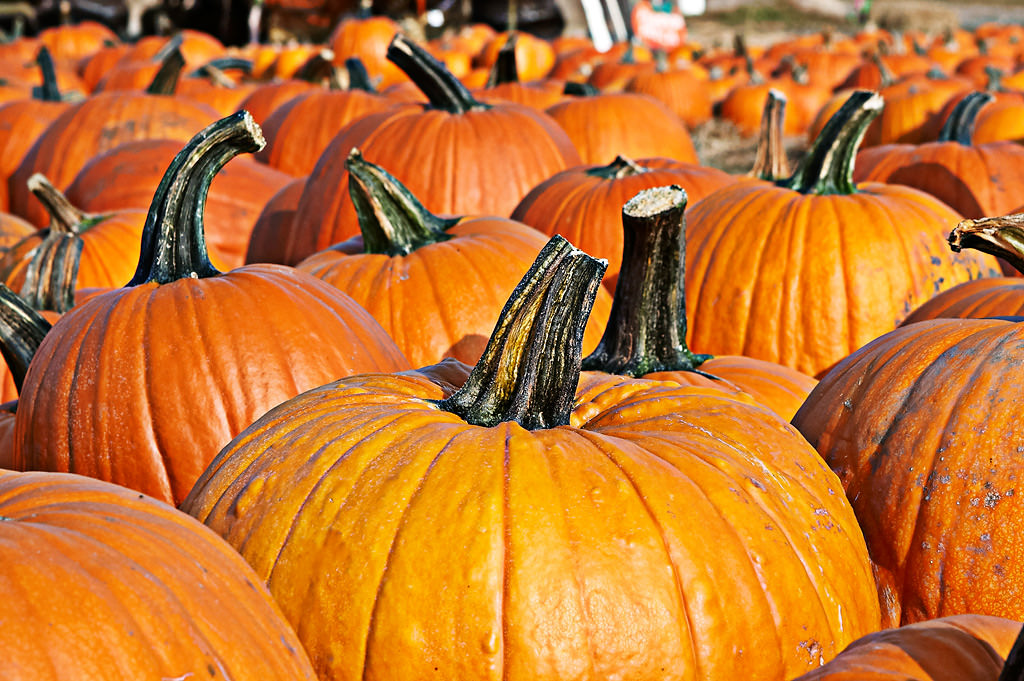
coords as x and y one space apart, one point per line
441 320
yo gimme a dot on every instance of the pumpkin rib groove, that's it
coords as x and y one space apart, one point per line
506 550
149 368
596 442
841 260
778 224
371 629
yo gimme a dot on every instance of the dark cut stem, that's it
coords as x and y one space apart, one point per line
771 163
828 167
443 90
392 220
505 69
173 240
48 91
646 331
1013 669
529 371
21 331
621 167
959 127
358 76
579 89
165 82
1001 236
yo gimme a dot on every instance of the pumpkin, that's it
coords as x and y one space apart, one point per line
646 333
452 153
921 427
93 126
274 226
504 82
534 56
436 285
603 126
584 203
155 594
185 356
975 179
367 38
954 648
787 271
684 90
73 41
262 101
616 539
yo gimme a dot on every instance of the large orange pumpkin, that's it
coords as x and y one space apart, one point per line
104 583
805 270
436 285
143 385
651 532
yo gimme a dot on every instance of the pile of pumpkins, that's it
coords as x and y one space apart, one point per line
282 323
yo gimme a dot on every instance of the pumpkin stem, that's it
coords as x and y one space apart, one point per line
771 163
215 68
994 79
959 127
579 89
999 236
621 167
530 368
828 167
65 218
358 76
884 72
173 240
391 219
646 331
505 69
1013 668
48 91
165 82
443 90
21 331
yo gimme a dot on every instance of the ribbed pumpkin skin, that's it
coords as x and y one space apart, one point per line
797 279
992 297
442 300
21 122
143 385
128 175
955 648
587 209
772 385
922 427
596 550
101 582
95 125
976 181
473 163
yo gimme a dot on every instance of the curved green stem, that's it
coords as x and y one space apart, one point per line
579 89
646 331
165 82
392 220
21 331
1001 236
959 127
770 163
505 69
358 76
443 90
48 91
828 167
173 240
529 371
215 68
65 218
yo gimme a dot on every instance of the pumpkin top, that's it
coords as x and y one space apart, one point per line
959 127
828 166
530 368
173 240
21 331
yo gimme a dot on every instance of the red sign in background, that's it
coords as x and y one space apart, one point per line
663 29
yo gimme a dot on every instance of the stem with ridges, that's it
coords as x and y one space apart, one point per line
21 331
48 91
51 273
828 166
771 163
621 167
65 218
504 69
1001 236
392 220
173 240
959 127
165 82
530 368
646 331
443 90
